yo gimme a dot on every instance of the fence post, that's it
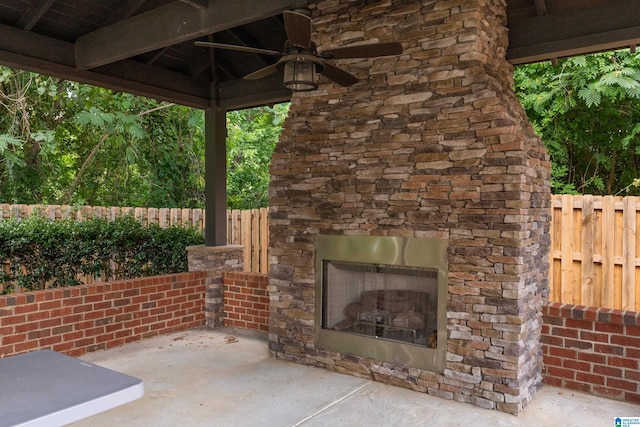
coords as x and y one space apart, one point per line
264 240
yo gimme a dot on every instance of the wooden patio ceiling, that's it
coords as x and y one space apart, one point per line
146 47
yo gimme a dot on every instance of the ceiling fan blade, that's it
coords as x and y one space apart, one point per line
298 28
338 75
261 73
238 48
363 51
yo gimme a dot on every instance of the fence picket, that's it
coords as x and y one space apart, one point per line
152 215
608 243
255 240
186 216
163 217
618 259
568 283
141 214
556 246
233 229
628 294
589 294
174 216
198 219
245 236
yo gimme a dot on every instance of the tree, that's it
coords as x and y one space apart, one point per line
586 111
66 143
252 137
63 142
29 113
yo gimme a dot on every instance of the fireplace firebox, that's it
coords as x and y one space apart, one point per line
383 298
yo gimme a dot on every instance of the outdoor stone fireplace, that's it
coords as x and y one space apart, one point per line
430 146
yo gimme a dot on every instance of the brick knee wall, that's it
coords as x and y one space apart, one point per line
593 350
588 349
80 319
246 302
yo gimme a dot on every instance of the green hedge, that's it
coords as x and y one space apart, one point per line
43 253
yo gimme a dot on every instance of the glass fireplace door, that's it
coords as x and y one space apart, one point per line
383 298
381 301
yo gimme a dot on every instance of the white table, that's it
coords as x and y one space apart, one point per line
45 388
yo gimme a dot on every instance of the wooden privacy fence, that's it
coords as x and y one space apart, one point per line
594 259
164 217
594 243
248 228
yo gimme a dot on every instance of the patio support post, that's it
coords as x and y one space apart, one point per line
215 257
215 177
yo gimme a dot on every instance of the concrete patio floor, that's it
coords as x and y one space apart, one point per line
225 377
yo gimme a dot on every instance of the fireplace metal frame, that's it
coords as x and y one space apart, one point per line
396 251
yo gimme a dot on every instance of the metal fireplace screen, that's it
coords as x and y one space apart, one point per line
383 298
381 301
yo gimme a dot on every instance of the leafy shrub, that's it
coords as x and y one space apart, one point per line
38 253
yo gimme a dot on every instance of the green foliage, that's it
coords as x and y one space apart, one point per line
173 159
53 253
252 137
67 143
586 111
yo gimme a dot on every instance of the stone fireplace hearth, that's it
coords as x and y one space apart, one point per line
432 144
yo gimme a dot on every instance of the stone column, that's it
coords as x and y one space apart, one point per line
215 261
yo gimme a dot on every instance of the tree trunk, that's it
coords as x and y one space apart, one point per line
612 172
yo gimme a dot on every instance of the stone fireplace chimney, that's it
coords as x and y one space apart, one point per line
432 144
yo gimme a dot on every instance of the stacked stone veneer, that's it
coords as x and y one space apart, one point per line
215 261
432 143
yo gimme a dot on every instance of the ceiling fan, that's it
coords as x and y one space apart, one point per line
300 60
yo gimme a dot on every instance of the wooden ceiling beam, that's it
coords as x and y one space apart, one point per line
56 58
116 83
35 45
588 30
168 25
227 67
199 67
244 38
227 72
541 7
157 55
33 14
124 11
198 4
240 94
216 67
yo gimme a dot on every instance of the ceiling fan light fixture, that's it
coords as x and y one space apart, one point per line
300 61
300 75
